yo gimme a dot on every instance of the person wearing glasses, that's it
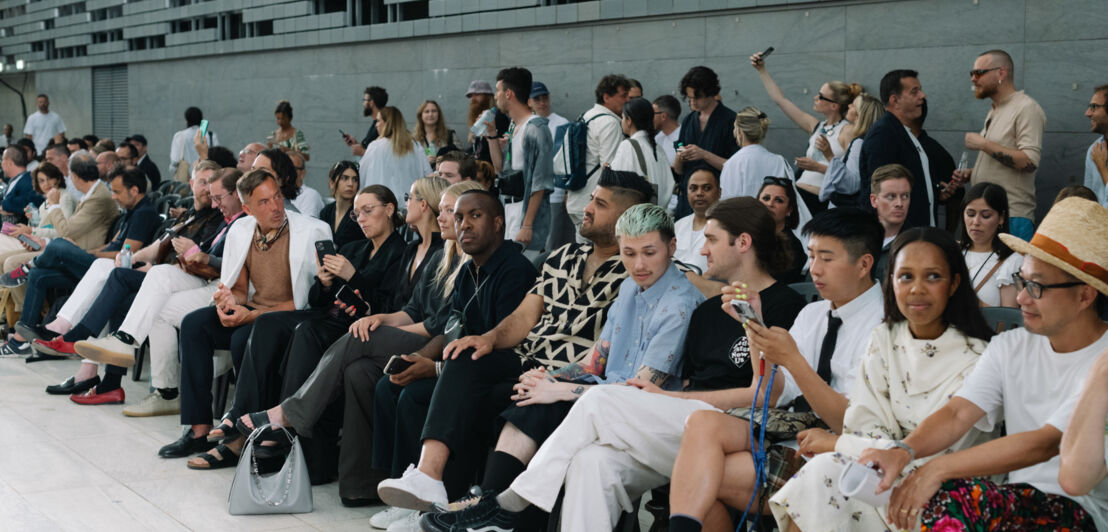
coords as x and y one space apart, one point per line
308 201
1096 159
742 174
831 101
1010 144
1028 378
343 179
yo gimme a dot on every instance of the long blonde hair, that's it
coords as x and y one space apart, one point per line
452 255
439 135
869 109
396 130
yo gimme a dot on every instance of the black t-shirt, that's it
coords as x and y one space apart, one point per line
717 355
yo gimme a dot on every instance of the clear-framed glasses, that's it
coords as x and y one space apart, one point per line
1035 289
368 211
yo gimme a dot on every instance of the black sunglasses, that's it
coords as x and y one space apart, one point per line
779 181
824 98
976 73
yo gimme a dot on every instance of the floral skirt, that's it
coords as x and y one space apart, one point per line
978 505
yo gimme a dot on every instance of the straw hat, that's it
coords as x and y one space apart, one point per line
1073 237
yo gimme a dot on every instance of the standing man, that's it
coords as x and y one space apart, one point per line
1011 142
706 138
44 125
605 132
667 110
561 227
527 216
1096 159
375 98
182 149
138 141
540 104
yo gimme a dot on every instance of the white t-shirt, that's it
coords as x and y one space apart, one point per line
657 171
42 127
689 243
553 121
308 202
667 143
380 166
811 177
517 143
980 263
743 173
1092 176
1021 380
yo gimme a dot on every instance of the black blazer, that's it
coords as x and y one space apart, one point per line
887 142
348 229
151 170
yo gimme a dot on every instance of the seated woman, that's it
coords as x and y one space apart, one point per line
779 195
343 179
991 263
843 181
931 339
394 159
742 174
49 183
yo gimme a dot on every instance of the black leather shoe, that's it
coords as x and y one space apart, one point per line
186 445
34 332
70 386
39 356
358 503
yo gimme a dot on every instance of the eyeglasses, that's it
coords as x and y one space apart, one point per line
1035 290
779 181
368 211
824 98
1094 106
221 197
976 73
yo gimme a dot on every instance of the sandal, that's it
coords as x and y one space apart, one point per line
273 443
226 458
258 419
227 432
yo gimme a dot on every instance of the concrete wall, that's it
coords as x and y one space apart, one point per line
1058 49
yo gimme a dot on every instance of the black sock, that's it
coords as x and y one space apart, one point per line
501 470
109 382
168 394
77 333
684 523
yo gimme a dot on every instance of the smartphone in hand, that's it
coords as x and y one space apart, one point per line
746 311
30 243
203 131
347 296
324 247
396 365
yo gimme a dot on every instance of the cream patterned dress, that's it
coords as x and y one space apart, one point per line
903 381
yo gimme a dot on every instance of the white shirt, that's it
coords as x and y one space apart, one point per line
554 120
925 163
859 316
667 143
743 173
517 143
1092 176
657 171
980 263
1021 380
380 166
308 202
689 243
183 147
605 134
811 177
43 127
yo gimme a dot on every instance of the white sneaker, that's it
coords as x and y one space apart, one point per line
154 405
388 516
107 350
413 490
408 523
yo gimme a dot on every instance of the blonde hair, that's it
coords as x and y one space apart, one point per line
438 134
430 189
753 124
843 94
452 255
869 109
396 130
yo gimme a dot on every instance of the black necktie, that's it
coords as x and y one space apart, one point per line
826 351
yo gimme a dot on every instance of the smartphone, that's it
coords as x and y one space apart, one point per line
746 311
397 365
324 247
348 297
766 53
30 243
204 131
343 133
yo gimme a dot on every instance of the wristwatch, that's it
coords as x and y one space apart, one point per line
902 445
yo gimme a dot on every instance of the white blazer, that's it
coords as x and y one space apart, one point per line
304 232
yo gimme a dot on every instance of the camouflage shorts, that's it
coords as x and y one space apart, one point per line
783 424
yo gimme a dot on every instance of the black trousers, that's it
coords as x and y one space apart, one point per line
201 335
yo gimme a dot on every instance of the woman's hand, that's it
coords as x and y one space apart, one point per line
54 196
757 62
807 163
816 441
338 266
824 147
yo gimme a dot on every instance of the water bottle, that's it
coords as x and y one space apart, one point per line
35 218
125 256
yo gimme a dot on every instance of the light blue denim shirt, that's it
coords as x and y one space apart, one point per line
648 327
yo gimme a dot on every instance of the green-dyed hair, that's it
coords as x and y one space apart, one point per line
645 218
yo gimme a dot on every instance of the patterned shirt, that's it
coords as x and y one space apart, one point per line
573 311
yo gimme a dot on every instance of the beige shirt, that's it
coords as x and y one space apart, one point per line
1016 122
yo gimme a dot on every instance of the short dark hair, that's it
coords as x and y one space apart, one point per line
59 148
285 170
132 178
81 145
709 170
252 180
890 83
227 177
517 80
91 140
857 229
492 201
52 173
379 96
632 187
222 156
702 80
634 83
1100 89
611 84
193 116
83 166
17 155
467 165
130 147
669 105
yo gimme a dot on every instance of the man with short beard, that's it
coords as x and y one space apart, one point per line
480 100
375 98
1096 159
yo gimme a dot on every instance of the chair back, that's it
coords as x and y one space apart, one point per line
1003 318
807 290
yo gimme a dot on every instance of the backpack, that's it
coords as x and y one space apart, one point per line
571 146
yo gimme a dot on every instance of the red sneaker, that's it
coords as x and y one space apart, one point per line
56 346
114 397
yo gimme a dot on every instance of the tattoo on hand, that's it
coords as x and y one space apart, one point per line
657 377
1005 159
578 390
1030 167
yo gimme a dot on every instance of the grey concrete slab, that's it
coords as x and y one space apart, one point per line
788 31
659 39
903 24
537 47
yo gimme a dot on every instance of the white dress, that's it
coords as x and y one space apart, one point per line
903 380
813 178
743 173
381 166
980 264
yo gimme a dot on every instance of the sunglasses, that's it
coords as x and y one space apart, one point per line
1094 106
1035 289
824 98
779 181
976 73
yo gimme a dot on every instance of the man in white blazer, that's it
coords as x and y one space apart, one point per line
268 265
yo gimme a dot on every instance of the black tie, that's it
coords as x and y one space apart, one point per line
826 351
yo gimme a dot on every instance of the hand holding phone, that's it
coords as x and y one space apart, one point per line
746 311
204 131
324 247
30 243
396 365
348 297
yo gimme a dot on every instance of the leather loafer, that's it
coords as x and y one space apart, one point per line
57 347
70 386
186 446
114 397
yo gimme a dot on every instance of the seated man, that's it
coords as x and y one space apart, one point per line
703 192
1017 381
605 462
890 195
642 339
557 324
268 265
62 264
20 192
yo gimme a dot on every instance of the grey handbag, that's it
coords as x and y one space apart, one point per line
288 491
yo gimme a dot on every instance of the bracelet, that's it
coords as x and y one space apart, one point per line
438 368
902 445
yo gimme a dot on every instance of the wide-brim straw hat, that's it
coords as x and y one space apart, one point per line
1073 237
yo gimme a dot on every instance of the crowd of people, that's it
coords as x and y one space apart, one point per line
538 322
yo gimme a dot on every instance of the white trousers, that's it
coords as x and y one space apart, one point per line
616 443
86 291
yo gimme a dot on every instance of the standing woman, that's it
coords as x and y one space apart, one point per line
431 133
830 102
843 181
779 195
343 179
639 153
393 160
743 173
286 137
991 263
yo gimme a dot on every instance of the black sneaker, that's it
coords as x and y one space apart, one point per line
485 515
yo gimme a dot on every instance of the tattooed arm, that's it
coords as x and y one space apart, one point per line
653 376
594 364
1011 157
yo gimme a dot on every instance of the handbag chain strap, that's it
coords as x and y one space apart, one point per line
255 476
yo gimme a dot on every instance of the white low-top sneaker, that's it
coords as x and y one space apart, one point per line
413 490
408 523
388 516
107 350
154 405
